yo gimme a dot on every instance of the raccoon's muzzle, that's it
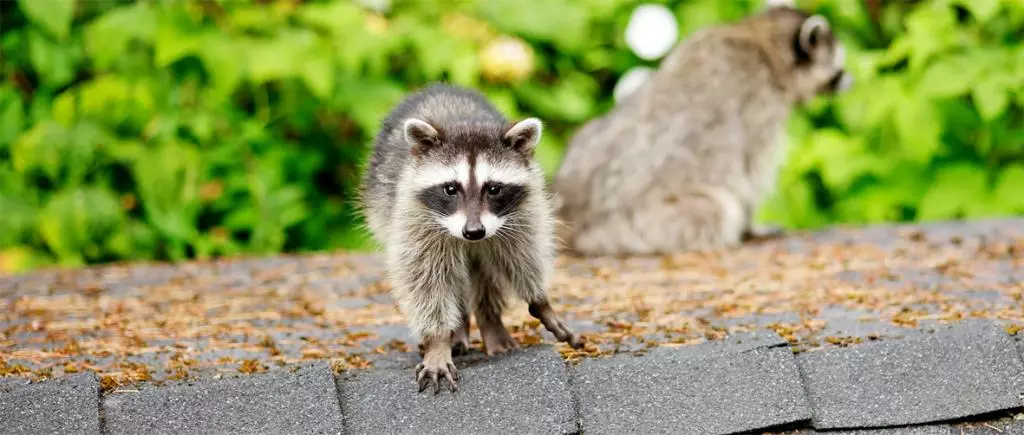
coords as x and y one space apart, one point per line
474 229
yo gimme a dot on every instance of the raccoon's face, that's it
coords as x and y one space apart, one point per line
474 184
820 60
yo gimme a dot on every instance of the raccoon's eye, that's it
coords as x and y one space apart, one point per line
450 189
493 189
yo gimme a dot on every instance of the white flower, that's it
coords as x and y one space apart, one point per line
652 31
630 81
379 6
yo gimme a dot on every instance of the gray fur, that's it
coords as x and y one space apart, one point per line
438 278
686 160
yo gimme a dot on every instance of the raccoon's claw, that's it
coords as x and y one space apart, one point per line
428 373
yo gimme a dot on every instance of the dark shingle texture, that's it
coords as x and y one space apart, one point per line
956 372
1008 425
300 402
63 406
525 392
938 429
713 388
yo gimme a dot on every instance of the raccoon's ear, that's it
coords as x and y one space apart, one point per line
811 33
524 135
420 135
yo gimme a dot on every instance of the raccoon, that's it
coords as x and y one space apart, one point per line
684 162
455 197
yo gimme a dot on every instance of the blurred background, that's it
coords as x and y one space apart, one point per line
172 130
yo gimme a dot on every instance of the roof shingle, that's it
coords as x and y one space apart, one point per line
743 383
62 406
526 391
968 369
304 401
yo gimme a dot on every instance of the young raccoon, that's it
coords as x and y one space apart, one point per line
453 193
685 161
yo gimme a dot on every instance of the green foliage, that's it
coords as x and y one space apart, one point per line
168 130
933 129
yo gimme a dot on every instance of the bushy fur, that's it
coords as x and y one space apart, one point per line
443 138
685 161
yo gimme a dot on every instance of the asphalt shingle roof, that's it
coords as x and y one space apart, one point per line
887 330
523 392
743 383
969 369
683 390
68 405
299 401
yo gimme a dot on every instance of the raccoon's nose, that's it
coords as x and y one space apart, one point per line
473 231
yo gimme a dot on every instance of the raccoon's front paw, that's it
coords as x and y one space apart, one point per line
433 370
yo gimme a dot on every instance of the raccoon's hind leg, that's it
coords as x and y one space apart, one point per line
541 310
707 219
527 275
489 303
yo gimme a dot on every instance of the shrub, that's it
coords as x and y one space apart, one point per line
166 130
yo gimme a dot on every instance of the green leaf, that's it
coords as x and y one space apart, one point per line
173 43
12 119
55 63
990 98
919 128
337 17
793 206
280 57
1009 187
74 221
224 60
318 74
931 30
40 148
18 220
865 107
116 99
54 16
872 203
570 99
948 77
167 179
107 36
561 22
369 100
983 10
955 187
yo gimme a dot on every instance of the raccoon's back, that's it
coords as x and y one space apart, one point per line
440 105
